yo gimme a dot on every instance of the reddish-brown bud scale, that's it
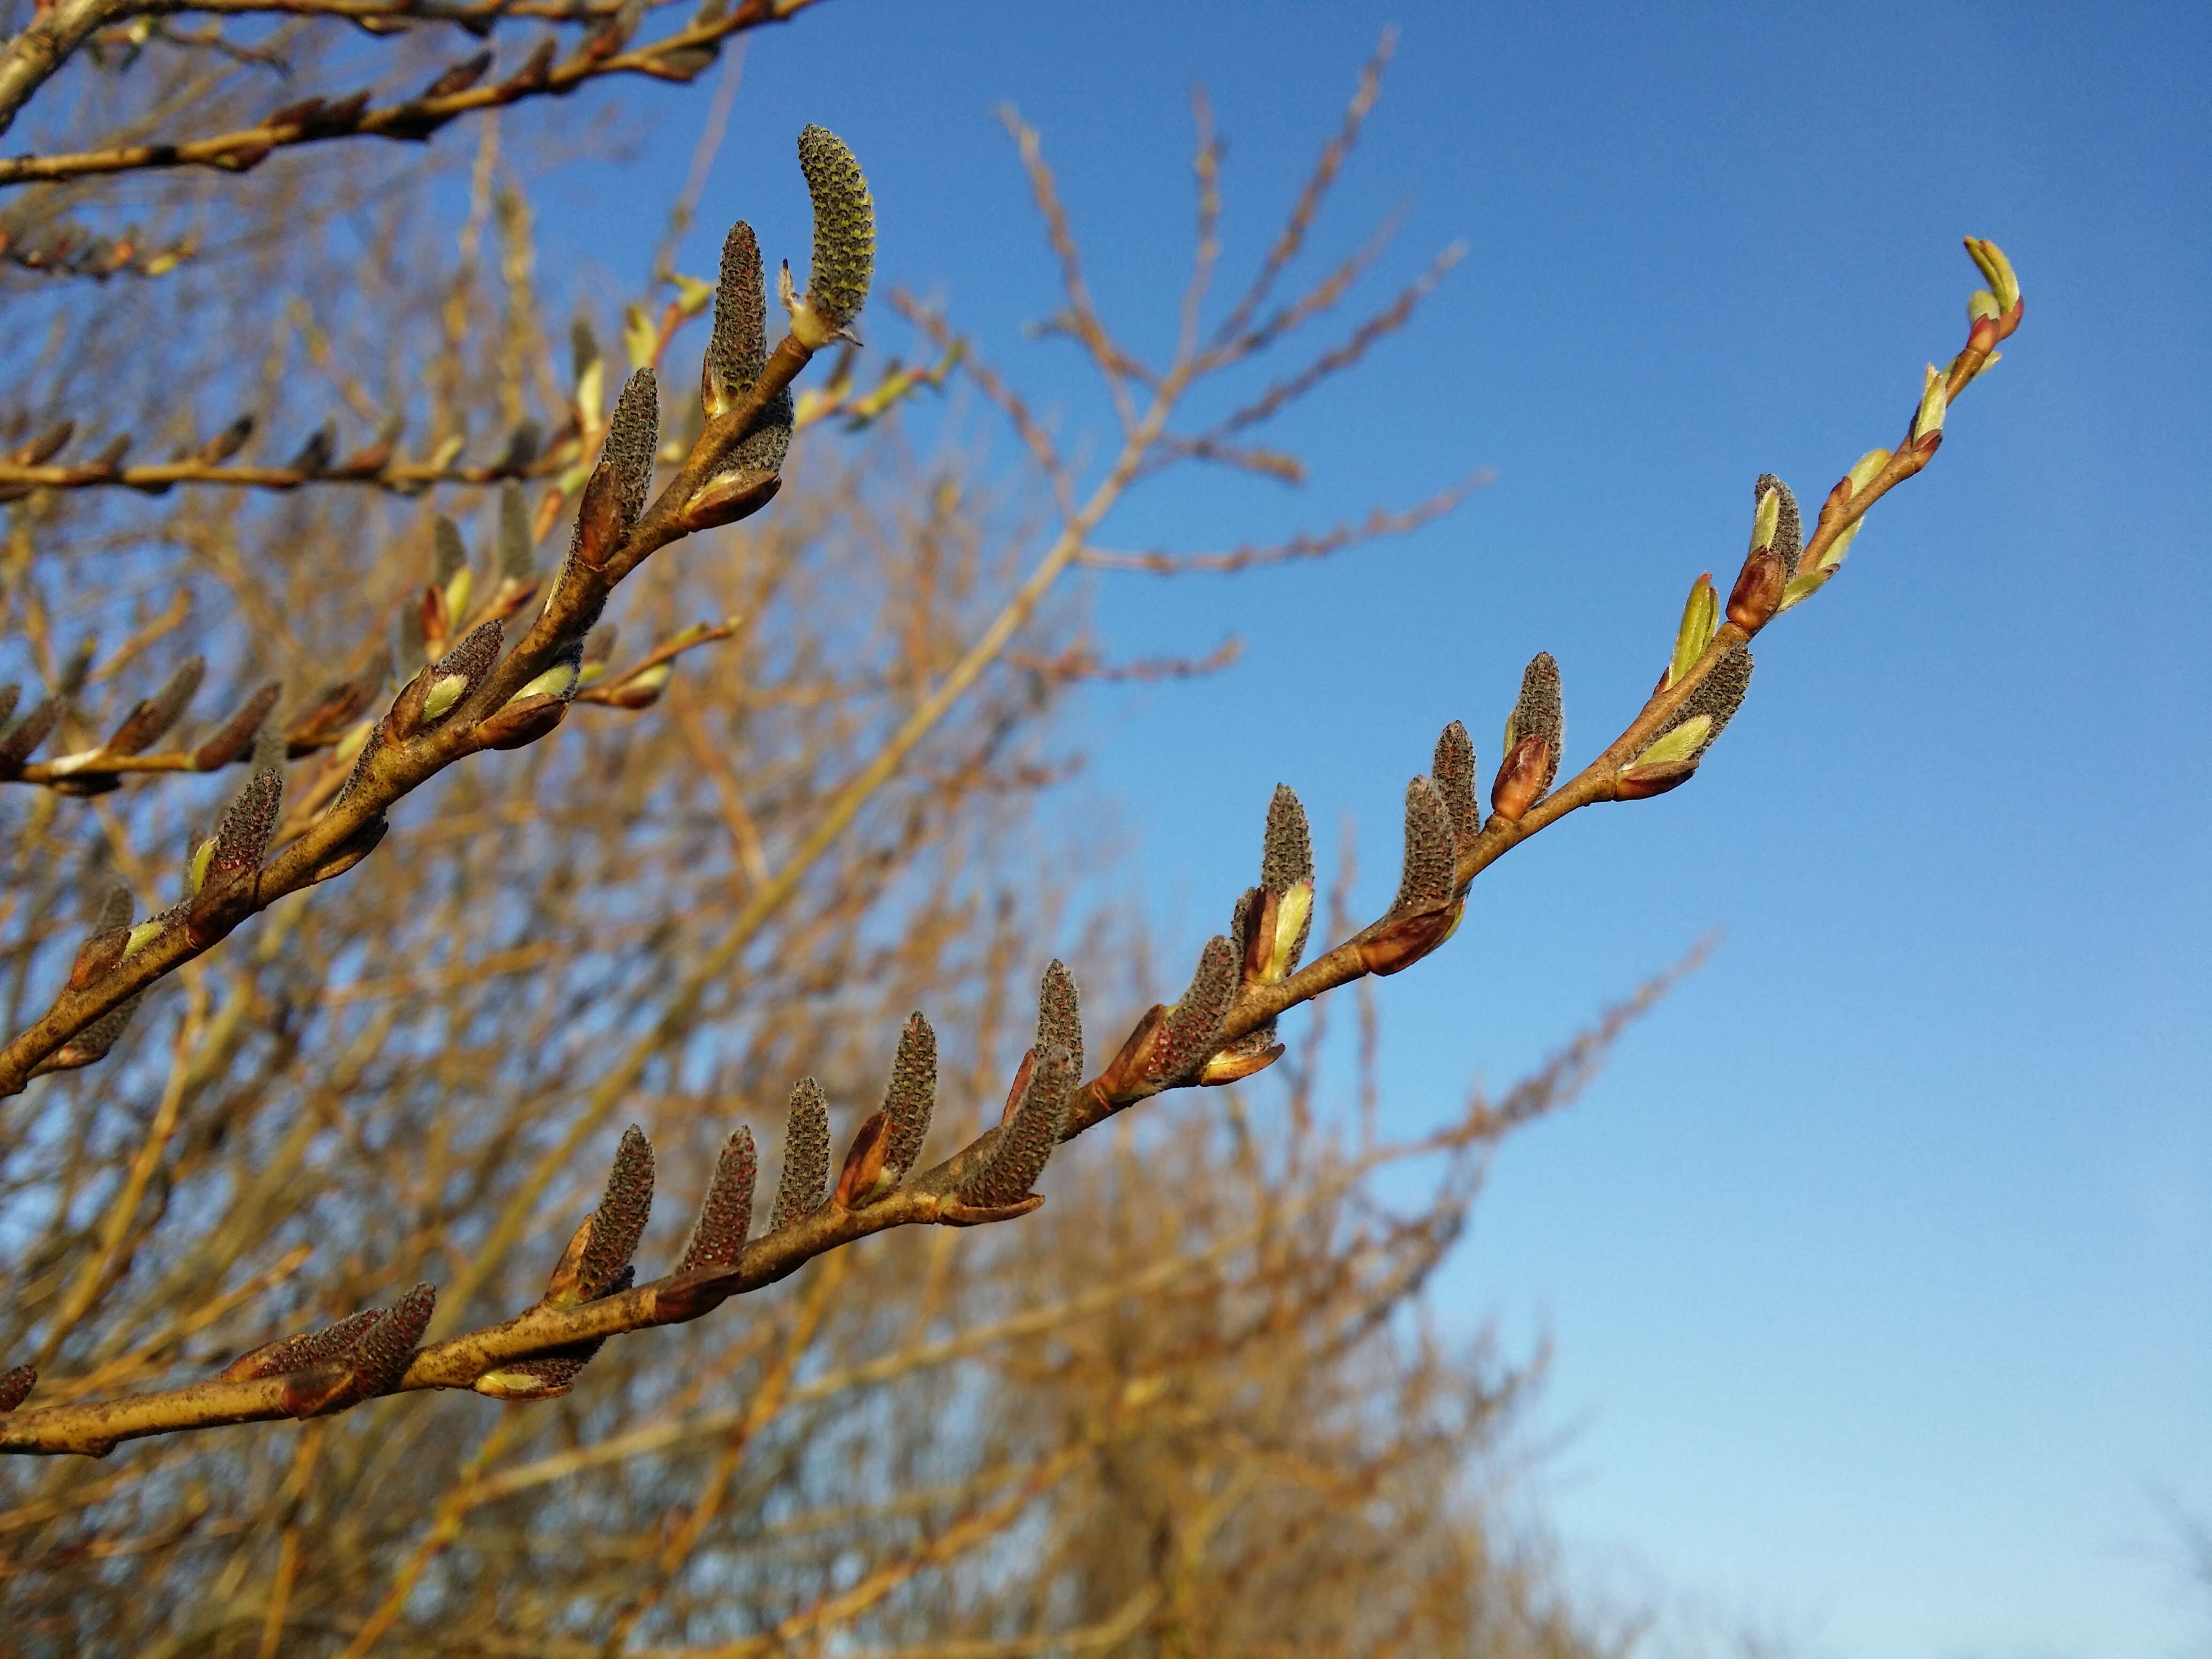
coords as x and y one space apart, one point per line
1758 591
1246 1057
236 736
404 718
1257 919
864 1167
536 69
598 520
47 445
1396 945
727 501
1019 1087
1124 1075
224 900
366 463
1520 777
637 694
355 848
437 618
522 722
561 1287
152 718
1642 782
96 958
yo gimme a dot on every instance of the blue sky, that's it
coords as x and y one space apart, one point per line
1880 1263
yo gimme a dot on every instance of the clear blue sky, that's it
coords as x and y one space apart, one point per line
1880 1265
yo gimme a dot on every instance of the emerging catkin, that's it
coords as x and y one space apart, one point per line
154 717
726 1215
1541 710
1025 1143
1789 541
247 826
1060 1013
235 736
806 1180
844 227
1453 771
1717 697
633 439
1429 874
737 349
518 546
911 1095
1192 1030
619 1222
451 555
1286 853
309 1348
381 1356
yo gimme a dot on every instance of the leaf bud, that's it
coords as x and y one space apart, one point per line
1758 591
1522 775
1996 270
1935 403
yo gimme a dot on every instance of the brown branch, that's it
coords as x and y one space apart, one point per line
94 1429
154 478
1378 525
1003 397
1318 183
678 57
1380 326
1080 664
1390 945
403 760
71 250
1170 1048
559 458
1081 318
55 32
477 16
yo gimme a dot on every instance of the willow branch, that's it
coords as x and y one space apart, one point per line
678 57
396 768
929 1199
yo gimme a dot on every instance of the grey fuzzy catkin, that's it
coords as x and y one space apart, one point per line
806 1180
911 1095
726 1215
1428 878
619 1222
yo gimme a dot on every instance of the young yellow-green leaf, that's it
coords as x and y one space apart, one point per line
1867 468
1677 744
1701 613
1996 268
